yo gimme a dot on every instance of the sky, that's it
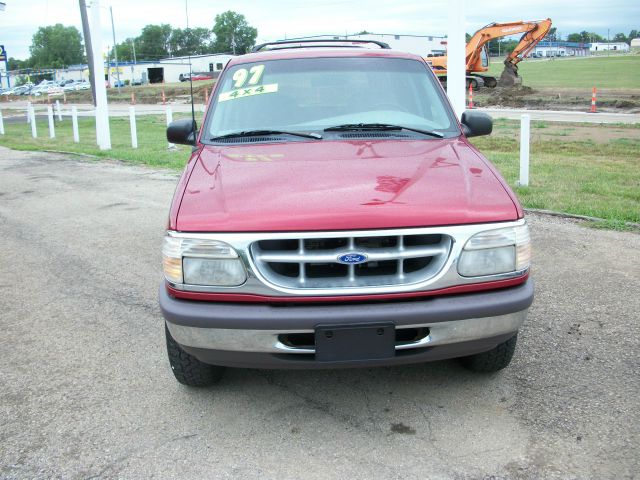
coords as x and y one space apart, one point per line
292 18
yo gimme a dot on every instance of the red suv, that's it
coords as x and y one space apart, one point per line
334 214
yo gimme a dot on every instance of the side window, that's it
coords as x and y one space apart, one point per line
218 66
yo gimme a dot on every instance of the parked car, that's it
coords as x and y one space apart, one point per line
20 90
333 213
200 76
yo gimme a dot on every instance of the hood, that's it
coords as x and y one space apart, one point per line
341 185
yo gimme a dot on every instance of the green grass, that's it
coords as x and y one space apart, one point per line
621 72
580 177
152 145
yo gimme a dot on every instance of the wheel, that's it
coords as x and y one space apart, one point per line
490 82
495 359
473 82
187 369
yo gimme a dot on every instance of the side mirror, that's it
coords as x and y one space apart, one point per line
475 124
183 132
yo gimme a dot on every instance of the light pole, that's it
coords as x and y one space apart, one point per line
133 47
115 47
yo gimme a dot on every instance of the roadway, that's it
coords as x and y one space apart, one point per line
87 391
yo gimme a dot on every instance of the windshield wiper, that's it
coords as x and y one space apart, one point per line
257 133
379 126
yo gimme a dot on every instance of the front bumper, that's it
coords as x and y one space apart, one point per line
250 335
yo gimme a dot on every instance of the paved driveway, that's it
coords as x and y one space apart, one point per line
86 390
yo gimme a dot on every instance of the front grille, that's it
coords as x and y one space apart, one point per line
307 263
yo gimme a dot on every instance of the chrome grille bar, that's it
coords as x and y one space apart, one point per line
305 263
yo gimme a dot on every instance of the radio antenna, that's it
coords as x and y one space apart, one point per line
193 110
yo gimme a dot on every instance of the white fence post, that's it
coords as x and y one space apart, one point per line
32 120
132 123
52 128
29 112
74 123
525 123
169 114
58 110
1 124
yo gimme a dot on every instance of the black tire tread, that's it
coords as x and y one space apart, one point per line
187 369
493 360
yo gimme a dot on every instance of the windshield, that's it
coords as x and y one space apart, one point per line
309 95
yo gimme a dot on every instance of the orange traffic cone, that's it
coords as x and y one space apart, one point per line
471 95
164 99
206 96
133 98
593 100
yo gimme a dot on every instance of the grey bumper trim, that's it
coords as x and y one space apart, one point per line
244 327
300 317
440 333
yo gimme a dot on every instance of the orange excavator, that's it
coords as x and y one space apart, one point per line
477 55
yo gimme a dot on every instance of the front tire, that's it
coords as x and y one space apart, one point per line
187 369
494 360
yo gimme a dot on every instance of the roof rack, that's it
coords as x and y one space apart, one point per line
284 44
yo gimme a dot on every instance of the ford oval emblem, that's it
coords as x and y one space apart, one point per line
352 258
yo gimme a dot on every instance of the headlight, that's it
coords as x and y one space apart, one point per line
496 251
196 261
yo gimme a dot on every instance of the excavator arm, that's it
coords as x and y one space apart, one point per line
529 40
533 32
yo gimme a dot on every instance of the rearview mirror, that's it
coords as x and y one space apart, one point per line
475 124
183 132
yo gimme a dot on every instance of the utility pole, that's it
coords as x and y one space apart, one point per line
103 134
456 69
86 31
115 47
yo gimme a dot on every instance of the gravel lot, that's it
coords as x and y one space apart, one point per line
86 390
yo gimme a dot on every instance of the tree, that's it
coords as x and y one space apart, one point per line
125 51
231 29
153 42
619 37
56 46
190 41
585 37
552 36
15 64
633 34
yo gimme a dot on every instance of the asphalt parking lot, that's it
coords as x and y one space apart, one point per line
86 390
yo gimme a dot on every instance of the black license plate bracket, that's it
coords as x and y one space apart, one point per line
355 342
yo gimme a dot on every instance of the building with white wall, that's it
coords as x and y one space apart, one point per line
560 49
423 45
606 46
166 70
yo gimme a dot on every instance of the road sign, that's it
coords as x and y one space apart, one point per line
3 54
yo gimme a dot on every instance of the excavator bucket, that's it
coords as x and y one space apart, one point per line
509 77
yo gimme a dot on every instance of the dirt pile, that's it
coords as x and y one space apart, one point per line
509 96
